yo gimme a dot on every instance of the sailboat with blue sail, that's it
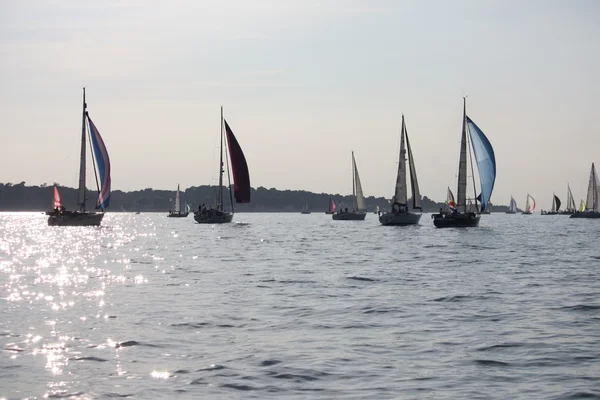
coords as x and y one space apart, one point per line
81 216
472 137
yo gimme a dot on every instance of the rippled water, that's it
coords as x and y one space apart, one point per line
300 306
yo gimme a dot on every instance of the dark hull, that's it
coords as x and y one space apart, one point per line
178 215
213 217
511 212
566 212
526 213
328 212
399 219
586 214
470 220
304 212
549 213
75 219
349 216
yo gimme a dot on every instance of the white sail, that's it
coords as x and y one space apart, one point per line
553 209
570 199
527 206
591 201
360 198
461 194
177 202
513 204
400 194
414 183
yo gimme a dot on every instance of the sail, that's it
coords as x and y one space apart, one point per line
527 205
570 199
513 204
241 177
593 193
81 190
400 193
414 183
332 205
462 163
556 204
187 207
450 200
486 162
532 199
582 206
360 198
57 201
103 163
177 201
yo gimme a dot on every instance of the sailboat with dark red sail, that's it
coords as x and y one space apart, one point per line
236 164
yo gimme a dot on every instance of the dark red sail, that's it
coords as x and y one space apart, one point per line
239 167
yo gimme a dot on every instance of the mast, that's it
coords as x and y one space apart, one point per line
354 206
81 190
220 196
462 164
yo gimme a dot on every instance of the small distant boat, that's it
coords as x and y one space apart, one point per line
59 216
512 208
528 208
178 213
377 210
399 214
555 206
241 180
332 207
358 200
488 209
571 207
305 210
591 207
486 166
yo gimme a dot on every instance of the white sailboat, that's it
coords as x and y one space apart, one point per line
358 200
512 208
571 207
399 215
305 210
178 213
592 201
528 208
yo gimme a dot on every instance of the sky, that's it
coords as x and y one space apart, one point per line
303 83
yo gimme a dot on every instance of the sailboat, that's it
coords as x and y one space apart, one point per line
512 208
241 180
571 207
592 202
528 208
399 215
358 200
377 210
178 213
332 207
305 210
486 165
555 206
59 216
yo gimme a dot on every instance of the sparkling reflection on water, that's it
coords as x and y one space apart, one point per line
290 305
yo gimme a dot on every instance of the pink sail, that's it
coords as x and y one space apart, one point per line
332 206
57 203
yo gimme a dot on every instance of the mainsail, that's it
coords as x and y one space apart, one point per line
400 195
360 198
486 162
556 204
414 183
513 204
57 201
570 200
591 202
239 167
177 201
103 164
462 163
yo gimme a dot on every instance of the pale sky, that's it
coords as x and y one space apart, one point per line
303 83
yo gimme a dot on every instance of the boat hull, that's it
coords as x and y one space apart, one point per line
526 213
469 220
510 212
399 219
349 216
75 219
328 212
178 215
588 214
549 213
214 217
304 212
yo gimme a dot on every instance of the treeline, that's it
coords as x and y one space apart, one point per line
20 197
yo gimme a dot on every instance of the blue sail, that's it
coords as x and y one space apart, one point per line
486 162
103 163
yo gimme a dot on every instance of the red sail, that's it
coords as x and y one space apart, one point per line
239 167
